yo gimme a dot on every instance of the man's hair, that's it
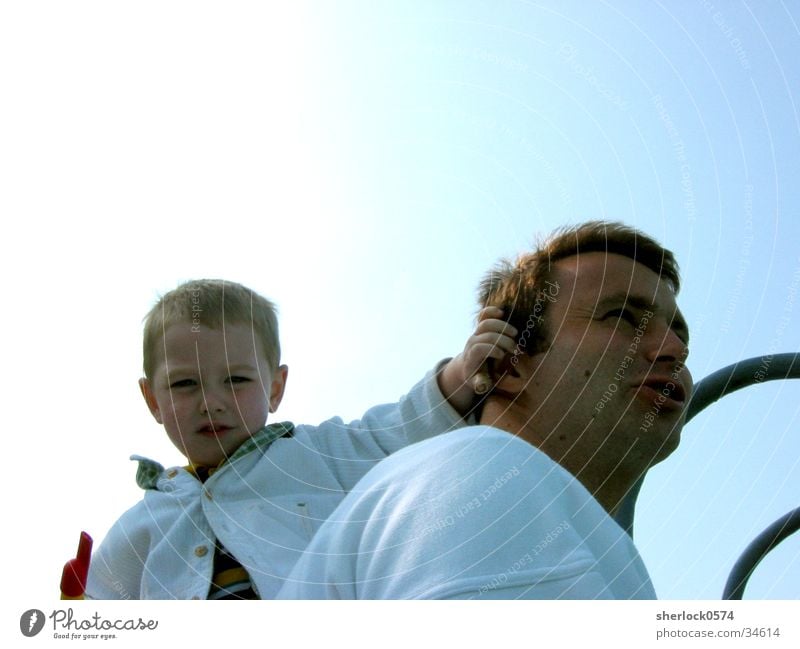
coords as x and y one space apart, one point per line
518 287
213 303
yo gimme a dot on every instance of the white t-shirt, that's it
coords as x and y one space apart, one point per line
473 514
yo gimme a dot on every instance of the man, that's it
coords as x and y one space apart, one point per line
522 505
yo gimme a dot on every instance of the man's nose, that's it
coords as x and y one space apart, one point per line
666 345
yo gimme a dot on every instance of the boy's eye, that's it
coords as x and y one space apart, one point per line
238 379
183 383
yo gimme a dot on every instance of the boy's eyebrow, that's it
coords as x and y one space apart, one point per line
192 369
242 366
181 369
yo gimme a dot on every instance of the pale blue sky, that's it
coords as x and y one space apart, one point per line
363 163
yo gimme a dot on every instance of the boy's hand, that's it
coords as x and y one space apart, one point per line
493 338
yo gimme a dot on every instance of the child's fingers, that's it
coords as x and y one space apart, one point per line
485 347
490 312
483 341
492 342
493 325
494 339
505 344
498 353
481 382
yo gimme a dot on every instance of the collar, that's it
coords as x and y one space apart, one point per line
149 471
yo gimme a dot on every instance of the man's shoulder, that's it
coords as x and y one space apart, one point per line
468 437
469 456
472 447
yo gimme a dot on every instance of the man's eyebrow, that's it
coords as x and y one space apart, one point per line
680 325
621 297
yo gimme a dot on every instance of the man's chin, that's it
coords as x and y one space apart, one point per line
668 446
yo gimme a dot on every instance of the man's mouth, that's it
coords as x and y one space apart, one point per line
664 392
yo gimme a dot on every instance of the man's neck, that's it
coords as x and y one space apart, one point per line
608 484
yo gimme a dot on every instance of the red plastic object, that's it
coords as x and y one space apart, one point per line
73 579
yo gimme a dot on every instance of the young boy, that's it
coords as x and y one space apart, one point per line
232 524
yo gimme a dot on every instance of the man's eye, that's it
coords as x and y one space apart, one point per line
622 314
183 383
682 332
238 379
684 338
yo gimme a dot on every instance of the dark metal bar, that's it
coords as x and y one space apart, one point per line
771 367
752 371
785 526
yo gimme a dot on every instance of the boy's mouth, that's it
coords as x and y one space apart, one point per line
214 429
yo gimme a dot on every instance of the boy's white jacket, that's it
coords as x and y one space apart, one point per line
264 507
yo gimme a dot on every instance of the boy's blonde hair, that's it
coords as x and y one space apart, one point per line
212 303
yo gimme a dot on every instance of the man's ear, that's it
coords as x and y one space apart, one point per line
515 373
278 386
150 399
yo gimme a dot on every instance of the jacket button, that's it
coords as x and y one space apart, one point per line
201 550
172 473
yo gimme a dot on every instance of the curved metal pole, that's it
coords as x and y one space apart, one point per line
785 526
773 367
760 369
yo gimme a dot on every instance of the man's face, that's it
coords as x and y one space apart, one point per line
610 390
212 391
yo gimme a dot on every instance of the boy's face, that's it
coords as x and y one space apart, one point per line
212 391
